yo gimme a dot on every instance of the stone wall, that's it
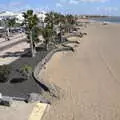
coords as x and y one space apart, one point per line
49 87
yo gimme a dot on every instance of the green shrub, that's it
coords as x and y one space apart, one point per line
26 70
4 73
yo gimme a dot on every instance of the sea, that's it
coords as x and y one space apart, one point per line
107 19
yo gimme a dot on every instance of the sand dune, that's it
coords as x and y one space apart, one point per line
89 77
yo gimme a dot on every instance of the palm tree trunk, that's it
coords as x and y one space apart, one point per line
31 45
60 33
46 44
6 36
47 47
34 49
8 32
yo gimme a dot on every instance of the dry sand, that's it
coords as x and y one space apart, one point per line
89 77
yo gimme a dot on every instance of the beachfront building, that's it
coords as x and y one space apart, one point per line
19 16
41 15
6 14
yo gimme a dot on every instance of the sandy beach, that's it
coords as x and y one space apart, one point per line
88 77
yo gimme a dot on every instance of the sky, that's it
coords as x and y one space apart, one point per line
92 7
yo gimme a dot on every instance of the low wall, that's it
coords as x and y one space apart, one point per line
45 84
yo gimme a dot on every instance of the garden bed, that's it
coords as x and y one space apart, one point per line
17 85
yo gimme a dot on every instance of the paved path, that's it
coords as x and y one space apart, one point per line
90 77
11 50
17 111
23 111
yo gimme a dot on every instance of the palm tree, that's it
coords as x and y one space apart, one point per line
61 23
6 26
55 19
11 22
49 30
70 21
47 34
50 19
31 21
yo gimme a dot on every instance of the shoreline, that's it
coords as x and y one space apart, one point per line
101 22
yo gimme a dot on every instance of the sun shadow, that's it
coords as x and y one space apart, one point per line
17 80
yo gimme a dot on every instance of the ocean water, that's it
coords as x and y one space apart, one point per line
107 19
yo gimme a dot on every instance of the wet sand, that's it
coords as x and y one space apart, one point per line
89 77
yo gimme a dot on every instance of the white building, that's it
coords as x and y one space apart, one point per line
19 16
41 15
7 14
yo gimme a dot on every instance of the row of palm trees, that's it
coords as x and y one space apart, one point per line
54 23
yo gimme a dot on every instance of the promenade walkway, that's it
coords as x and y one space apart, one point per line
11 50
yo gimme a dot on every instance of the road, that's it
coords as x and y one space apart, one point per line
89 78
